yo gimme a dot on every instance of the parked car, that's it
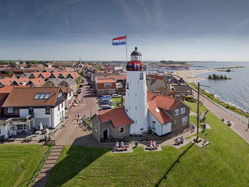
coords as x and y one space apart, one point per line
116 95
82 81
106 97
106 102
104 107
79 90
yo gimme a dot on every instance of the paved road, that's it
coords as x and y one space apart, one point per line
239 122
73 131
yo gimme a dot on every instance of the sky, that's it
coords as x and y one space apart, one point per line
179 30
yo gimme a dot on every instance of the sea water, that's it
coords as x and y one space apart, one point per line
234 91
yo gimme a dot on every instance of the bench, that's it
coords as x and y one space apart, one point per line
152 148
120 149
181 140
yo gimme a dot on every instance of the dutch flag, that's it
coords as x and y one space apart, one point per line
119 40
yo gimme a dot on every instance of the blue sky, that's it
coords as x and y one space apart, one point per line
188 30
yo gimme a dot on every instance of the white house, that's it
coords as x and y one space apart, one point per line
27 107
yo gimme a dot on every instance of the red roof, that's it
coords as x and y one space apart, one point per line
38 81
7 81
7 89
117 116
158 113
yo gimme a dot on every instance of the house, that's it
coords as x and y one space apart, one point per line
105 86
68 92
44 75
167 114
63 82
37 105
107 123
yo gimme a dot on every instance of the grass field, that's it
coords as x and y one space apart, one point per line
18 163
224 163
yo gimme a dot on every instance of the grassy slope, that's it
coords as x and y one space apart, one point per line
224 163
19 162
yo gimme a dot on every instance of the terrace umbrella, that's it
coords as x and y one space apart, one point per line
41 127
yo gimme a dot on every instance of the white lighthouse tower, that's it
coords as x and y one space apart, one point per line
136 93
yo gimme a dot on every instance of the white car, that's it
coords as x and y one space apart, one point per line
115 95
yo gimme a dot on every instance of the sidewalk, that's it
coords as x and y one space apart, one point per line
43 176
239 122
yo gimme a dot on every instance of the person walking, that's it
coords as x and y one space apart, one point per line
247 127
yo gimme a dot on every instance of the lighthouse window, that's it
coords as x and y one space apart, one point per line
127 85
141 76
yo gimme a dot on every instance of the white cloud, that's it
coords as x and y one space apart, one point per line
240 25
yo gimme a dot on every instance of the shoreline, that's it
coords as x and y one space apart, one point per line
189 75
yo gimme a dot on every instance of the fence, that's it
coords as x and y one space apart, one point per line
39 167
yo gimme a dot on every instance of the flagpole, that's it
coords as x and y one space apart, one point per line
126 48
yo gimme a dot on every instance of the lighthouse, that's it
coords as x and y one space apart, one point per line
136 106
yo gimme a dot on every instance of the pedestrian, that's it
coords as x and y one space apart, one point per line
78 115
247 126
204 126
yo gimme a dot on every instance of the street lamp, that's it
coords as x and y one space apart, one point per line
198 106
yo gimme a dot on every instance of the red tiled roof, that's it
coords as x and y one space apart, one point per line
158 113
46 74
117 77
7 89
105 80
66 89
23 96
65 74
116 115
25 79
36 74
38 81
7 81
56 74
75 75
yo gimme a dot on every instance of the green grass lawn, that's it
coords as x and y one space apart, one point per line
224 163
19 162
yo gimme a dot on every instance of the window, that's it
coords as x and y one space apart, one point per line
153 125
61 105
127 85
31 110
47 110
37 96
176 112
42 96
47 95
141 76
174 122
183 110
107 85
185 120
10 110
121 130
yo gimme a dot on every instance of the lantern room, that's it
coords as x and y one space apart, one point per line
136 62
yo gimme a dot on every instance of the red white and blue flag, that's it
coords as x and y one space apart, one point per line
119 40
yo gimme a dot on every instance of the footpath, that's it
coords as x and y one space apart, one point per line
239 123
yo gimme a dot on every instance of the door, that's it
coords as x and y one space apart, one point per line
105 134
